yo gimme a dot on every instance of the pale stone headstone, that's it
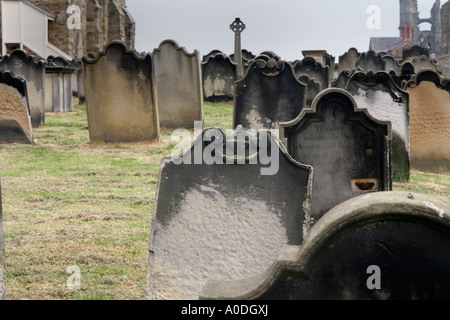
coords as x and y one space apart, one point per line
179 85
120 95
33 71
59 97
349 150
371 60
15 121
224 221
379 246
348 60
314 70
270 93
218 77
429 110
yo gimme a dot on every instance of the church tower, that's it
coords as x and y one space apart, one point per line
409 20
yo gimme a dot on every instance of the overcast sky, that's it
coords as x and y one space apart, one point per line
285 27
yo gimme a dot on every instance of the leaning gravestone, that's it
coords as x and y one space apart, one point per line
218 77
314 70
429 121
120 95
380 246
224 221
268 94
371 60
15 121
3 288
385 101
348 149
33 71
179 85
348 60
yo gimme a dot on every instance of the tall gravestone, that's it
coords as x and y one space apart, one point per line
349 150
385 101
225 217
15 121
380 246
59 90
429 121
33 71
120 95
179 85
3 288
371 60
348 60
268 94
218 77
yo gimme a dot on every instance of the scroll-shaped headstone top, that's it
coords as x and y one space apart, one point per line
371 61
392 64
115 45
220 214
268 94
314 70
16 82
347 147
205 58
347 61
423 62
429 75
170 43
237 26
218 77
404 236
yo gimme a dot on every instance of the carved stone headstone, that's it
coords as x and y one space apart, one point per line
3 288
218 77
391 65
226 218
405 74
314 70
429 110
179 85
348 149
385 101
371 60
59 94
380 246
270 93
120 95
348 60
423 62
33 71
15 121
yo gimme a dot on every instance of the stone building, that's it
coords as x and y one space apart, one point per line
67 28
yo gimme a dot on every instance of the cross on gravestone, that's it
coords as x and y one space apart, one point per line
238 26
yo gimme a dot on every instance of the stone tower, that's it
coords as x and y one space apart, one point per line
409 20
86 26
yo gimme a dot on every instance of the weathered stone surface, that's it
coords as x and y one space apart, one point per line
391 65
407 236
218 77
59 91
3 288
269 93
349 150
348 60
179 85
405 74
385 101
224 221
429 121
371 60
120 95
33 71
314 70
423 62
15 121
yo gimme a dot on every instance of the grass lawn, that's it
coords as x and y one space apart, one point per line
69 202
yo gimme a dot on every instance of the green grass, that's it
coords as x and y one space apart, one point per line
67 202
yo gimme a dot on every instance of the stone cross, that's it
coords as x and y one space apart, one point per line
238 26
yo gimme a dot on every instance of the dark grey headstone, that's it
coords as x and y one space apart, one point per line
33 71
415 51
349 150
371 60
392 65
15 121
224 221
120 95
380 246
314 70
218 77
385 101
3 294
404 75
179 85
269 93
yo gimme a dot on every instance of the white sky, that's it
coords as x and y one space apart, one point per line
285 27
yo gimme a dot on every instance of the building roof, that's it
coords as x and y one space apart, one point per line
37 8
384 44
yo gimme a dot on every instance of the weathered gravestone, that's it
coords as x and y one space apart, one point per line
224 221
120 95
383 246
429 109
349 150
405 73
58 85
269 93
33 71
371 60
392 65
179 85
385 101
314 70
77 81
15 121
218 77
348 60
423 62
3 288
